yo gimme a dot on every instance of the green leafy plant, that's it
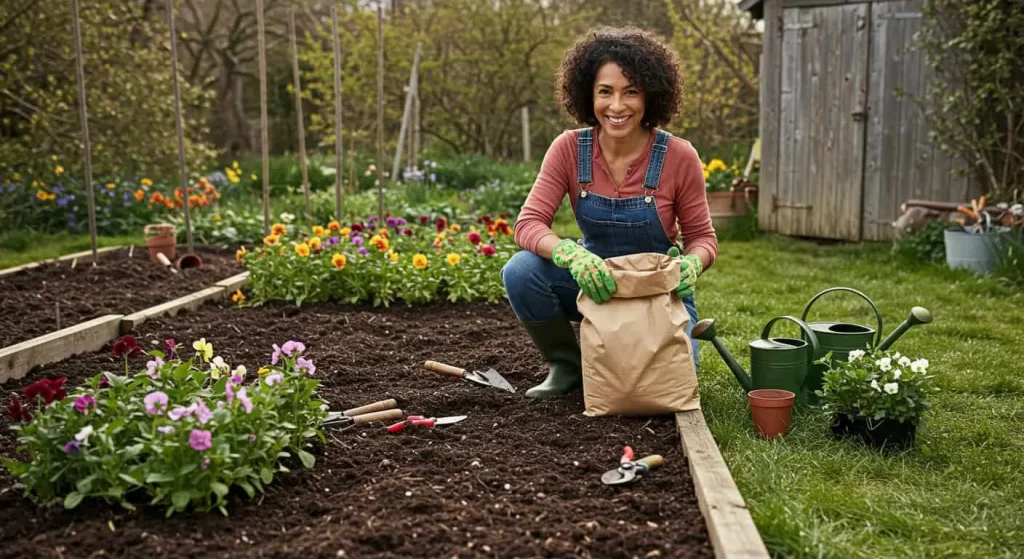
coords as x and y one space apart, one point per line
181 433
877 384
926 244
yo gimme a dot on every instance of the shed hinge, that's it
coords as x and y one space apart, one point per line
777 203
901 15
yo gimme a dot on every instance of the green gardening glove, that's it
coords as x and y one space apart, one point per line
690 268
587 268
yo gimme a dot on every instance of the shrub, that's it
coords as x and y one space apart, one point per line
180 433
926 244
877 384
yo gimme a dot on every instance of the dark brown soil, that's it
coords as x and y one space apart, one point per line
519 478
30 299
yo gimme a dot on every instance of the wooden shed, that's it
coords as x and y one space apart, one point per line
843 140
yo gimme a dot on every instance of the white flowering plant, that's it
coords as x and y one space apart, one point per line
181 433
877 384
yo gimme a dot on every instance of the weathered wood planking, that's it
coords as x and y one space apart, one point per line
771 82
732 530
84 256
17 360
787 121
189 302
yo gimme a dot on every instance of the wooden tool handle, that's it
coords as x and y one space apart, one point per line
368 408
444 369
652 461
377 416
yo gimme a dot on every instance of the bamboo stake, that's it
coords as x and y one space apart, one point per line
298 113
84 116
380 110
404 134
338 154
264 138
179 128
526 132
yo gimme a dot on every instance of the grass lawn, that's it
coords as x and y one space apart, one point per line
959 491
22 248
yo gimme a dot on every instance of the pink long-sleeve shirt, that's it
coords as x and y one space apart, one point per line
681 199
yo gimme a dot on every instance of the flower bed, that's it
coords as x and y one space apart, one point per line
517 478
119 285
381 261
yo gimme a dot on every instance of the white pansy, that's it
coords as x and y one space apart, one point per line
240 371
83 435
218 363
919 366
904 361
891 388
287 217
897 374
856 354
874 384
884 363
896 355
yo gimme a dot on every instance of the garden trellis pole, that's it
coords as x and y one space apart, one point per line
178 124
264 140
83 114
526 132
298 115
338 154
380 110
407 116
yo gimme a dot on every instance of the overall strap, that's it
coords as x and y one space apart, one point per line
585 155
658 151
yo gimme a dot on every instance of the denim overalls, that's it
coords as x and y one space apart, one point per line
538 290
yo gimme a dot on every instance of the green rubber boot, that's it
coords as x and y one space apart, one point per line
557 343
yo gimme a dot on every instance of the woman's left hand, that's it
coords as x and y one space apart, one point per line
690 268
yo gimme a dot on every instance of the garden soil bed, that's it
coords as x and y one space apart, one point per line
518 478
119 285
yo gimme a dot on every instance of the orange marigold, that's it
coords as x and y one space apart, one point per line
339 261
302 249
279 229
419 261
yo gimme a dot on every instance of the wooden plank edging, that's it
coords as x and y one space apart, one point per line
17 360
190 302
84 256
732 530
233 283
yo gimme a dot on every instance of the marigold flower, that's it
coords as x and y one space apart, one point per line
453 259
237 296
302 249
271 240
156 198
41 194
345 231
393 255
380 242
339 261
419 261
140 195
58 170
279 229
314 243
318 231
334 226
716 165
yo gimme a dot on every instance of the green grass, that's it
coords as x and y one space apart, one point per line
959 491
24 247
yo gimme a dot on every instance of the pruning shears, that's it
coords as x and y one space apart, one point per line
422 421
629 469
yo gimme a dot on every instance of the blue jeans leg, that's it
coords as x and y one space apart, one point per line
538 290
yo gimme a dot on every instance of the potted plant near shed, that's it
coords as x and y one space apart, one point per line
876 397
730 194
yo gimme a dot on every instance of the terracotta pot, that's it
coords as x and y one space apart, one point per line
160 238
733 202
771 411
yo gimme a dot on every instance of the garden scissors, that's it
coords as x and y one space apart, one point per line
421 421
629 469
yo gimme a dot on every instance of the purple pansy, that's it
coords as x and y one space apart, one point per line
246 402
274 378
83 403
156 403
305 364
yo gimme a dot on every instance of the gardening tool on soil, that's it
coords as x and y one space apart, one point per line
841 338
781 363
382 405
421 421
490 377
629 469
349 421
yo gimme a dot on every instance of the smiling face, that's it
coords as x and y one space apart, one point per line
618 104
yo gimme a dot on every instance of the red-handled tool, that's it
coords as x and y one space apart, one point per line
629 469
421 421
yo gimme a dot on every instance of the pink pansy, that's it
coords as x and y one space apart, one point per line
153 367
203 413
200 440
291 348
156 403
246 402
274 378
276 356
304 364
83 403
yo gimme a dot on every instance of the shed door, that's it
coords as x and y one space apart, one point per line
823 118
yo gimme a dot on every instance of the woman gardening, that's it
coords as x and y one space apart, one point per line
633 187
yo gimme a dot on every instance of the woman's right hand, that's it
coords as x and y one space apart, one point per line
588 270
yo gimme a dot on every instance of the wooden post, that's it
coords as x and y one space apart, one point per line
380 111
406 114
298 115
84 117
526 133
338 154
179 127
415 152
264 138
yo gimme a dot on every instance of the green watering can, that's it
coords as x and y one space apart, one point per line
841 338
781 363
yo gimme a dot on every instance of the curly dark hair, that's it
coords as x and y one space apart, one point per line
646 61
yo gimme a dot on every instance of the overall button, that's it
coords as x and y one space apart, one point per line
647 199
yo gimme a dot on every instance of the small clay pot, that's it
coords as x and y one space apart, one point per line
160 239
189 261
771 411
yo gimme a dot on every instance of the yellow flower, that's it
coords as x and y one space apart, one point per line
393 255
706 174
419 261
41 194
271 240
239 254
455 227
380 242
473 229
58 170
302 249
35 184
318 231
717 165
334 226
314 243
278 229
237 296
234 164
51 197
216 218
53 157
453 259
263 371
280 251
253 177
204 349
345 231
146 182
339 261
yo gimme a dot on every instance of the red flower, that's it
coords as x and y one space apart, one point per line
126 346
440 224
424 219
474 237
487 250
18 411
407 232
104 382
47 389
169 344
503 215
487 219
357 227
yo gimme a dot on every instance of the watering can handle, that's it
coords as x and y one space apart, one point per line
803 326
878 315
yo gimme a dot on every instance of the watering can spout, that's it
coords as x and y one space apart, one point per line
705 330
918 315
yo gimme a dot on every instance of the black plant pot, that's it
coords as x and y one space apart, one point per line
885 434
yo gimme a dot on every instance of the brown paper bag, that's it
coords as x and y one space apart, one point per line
637 358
